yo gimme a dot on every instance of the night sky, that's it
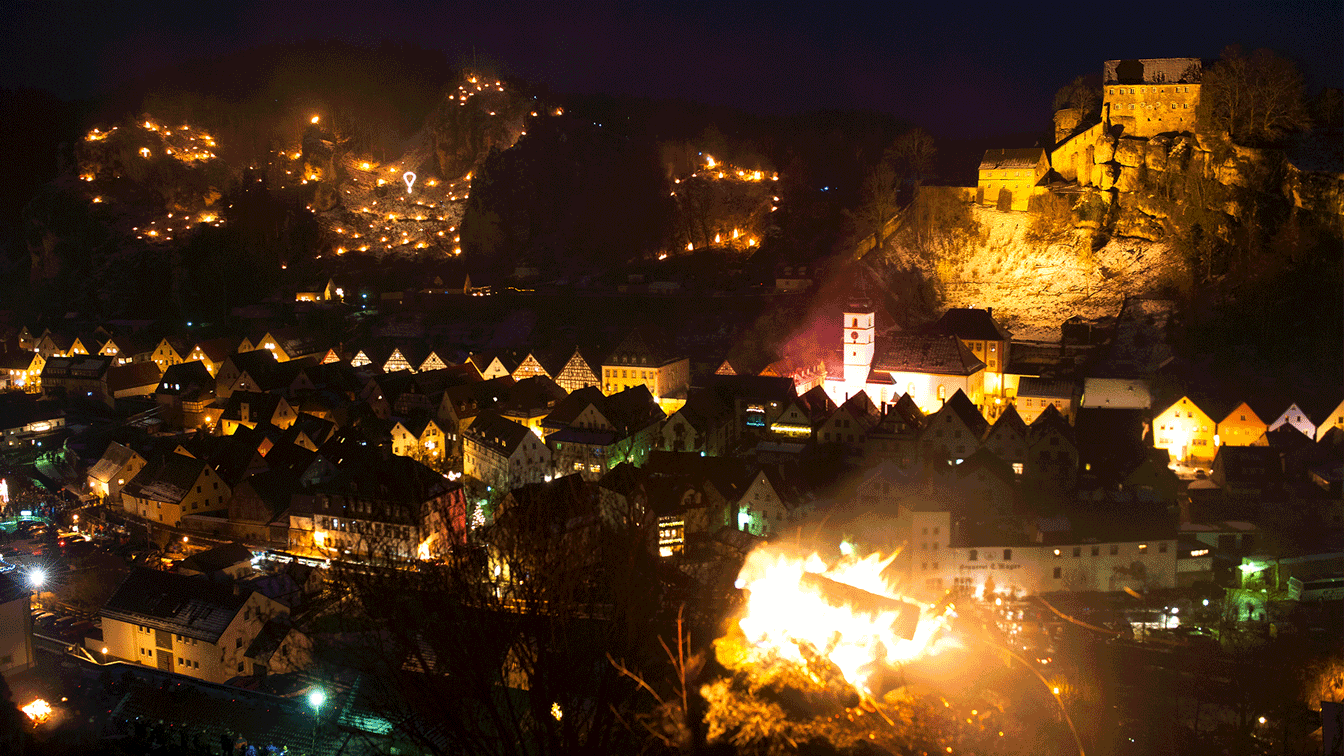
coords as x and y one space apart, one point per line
959 69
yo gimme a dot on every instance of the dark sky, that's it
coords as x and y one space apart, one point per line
958 68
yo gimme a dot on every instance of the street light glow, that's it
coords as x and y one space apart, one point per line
317 698
37 577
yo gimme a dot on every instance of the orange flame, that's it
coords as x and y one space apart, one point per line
785 610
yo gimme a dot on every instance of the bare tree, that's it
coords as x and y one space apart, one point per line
1082 94
504 645
1257 99
879 201
912 155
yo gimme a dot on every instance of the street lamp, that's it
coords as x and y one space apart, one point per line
316 698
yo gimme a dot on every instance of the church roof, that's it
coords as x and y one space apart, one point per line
969 324
942 355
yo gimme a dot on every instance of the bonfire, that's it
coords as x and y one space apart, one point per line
827 654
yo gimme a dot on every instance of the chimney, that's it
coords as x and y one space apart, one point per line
990 310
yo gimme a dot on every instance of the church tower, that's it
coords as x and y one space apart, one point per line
859 331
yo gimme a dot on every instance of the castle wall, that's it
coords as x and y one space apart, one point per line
1145 110
1074 158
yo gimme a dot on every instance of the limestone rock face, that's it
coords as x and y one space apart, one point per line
1140 226
1103 176
1066 122
1105 150
1313 190
1182 147
1130 179
1156 155
1130 151
1150 205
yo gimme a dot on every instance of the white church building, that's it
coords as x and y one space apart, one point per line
930 368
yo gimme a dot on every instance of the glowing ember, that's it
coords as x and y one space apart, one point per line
38 710
795 604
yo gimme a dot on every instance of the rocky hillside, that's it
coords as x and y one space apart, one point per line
1035 284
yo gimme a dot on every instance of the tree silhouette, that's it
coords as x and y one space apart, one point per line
1257 99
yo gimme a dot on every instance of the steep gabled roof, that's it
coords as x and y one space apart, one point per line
219 558
1227 416
185 376
216 350
473 396
499 433
641 347
1051 420
817 403
567 410
113 460
1016 157
190 606
632 409
969 324
912 353
315 428
702 408
537 392
859 407
17 360
508 358
1008 422
275 488
132 375
297 341
960 405
1045 387
76 367
256 363
260 407
169 479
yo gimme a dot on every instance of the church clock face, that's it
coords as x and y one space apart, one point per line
854 336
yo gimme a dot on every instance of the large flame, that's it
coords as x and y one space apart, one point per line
38 710
788 611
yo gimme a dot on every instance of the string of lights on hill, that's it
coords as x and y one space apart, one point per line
366 205
740 216
383 205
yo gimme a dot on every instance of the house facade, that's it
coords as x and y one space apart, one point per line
22 370
184 625
174 487
1011 175
1186 432
1241 427
502 454
578 372
110 473
640 361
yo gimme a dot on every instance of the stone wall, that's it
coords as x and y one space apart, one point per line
1144 110
1074 159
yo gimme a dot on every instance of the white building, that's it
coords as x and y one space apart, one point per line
928 367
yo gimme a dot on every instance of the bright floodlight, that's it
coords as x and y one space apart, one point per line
37 577
317 698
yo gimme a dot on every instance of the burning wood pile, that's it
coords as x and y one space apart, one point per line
829 657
